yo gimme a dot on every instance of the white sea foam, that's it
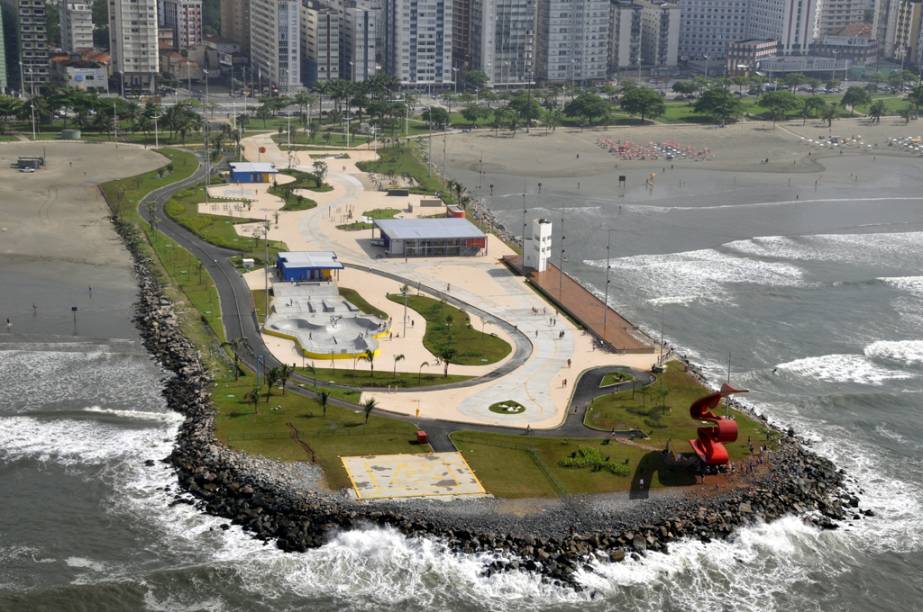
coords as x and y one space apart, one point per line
910 284
880 248
903 351
843 368
701 274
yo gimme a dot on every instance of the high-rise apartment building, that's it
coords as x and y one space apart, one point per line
461 34
418 41
624 36
27 46
359 35
235 22
502 40
320 44
184 18
709 26
133 43
76 26
573 40
275 42
660 23
904 31
791 22
834 15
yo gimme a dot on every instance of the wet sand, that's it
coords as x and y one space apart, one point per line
56 240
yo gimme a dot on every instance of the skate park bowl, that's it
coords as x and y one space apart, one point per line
321 322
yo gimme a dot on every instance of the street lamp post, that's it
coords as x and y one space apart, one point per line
208 111
156 135
563 259
32 104
608 267
455 79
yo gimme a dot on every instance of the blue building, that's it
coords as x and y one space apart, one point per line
252 172
302 266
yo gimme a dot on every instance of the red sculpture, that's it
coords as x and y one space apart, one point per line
710 444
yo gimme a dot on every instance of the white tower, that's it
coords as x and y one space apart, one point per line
538 247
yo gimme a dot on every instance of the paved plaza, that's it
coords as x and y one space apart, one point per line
403 476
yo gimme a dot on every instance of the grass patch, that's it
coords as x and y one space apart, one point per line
384 377
614 378
375 213
507 407
662 411
527 466
594 459
449 329
323 138
216 229
259 303
403 161
341 433
353 297
303 180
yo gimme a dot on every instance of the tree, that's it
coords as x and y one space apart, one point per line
685 87
370 357
907 113
916 98
324 399
436 116
876 110
779 103
235 344
446 355
474 79
396 359
589 106
526 107
642 101
367 407
285 371
793 79
253 397
855 96
272 377
812 106
320 171
473 114
719 104
828 114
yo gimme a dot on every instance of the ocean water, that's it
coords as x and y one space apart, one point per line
818 304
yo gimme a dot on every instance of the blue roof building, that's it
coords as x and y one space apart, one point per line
305 266
252 172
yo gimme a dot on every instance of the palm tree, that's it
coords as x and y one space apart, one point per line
272 377
876 110
285 371
367 407
324 398
370 357
396 359
253 397
313 372
235 345
420 375
446 355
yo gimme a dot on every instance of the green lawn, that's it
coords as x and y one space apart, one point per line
507 407
375 213
666 417
521 465
216 229
402 160
448 328
384 376
259 302
353 297
614 378
341 433
334 137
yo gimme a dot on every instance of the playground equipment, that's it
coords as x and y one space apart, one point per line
710 444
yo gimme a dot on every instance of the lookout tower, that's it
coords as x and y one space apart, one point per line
537 250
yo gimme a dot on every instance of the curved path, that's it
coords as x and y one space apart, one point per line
240 321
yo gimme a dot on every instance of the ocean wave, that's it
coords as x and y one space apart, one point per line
910 284
879 248
843 368
903 351
701 274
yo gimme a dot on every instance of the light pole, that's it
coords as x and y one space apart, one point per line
706 65
156 136
207 109
608 267
455 79
115 121
563 259
22 82
32 103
